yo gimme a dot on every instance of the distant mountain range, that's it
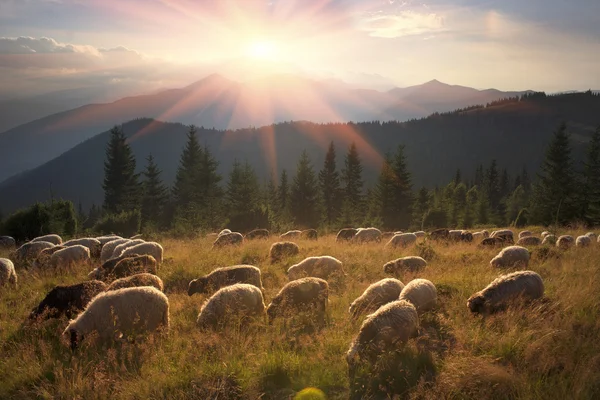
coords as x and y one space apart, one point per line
513 132
223 104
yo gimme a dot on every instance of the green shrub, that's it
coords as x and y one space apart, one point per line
123 224
42 219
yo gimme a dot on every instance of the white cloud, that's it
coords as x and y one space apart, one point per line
403 23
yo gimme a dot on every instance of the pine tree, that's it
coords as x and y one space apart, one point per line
394 192
121 189
329 183
155 194
421 207
185 191
304 194
272 203
554 197
479 176
591 176
210 192
457 177
352 203
283 200
243 197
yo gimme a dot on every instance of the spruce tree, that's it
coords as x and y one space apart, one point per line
283 198
394 192
329 183
421 207
243 197
155 194
352 202
591 176
272 203
304 194
209 190
121 189
185 189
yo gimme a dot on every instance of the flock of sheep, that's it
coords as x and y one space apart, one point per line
125 295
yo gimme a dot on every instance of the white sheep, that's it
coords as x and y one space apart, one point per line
225 276
137 280
402 240
591 235
565 242
54 239
505 234
279 250
410 263
376 295
455 234
365 235
318 267
504 289
523 234
7 242
529 241
224 232
91 243
478 236
30 251
549 239
70 256
120 248
418 234
240 300
512 256
229 239
302 295
485 233
421 293
108 249
544 234
122 311
583 241
295 234
7 272
147 248
385 329
107 238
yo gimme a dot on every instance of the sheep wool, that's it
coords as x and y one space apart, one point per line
291 235
366 235
318 267
523 234
148 248
137 280
402 240
91 243
68 300
54 239
240 300
7 272
583 241
229 239
529 241
310 234
70 256
108 249
346 234
376 295
29 251
512 256
302 295
280 250
565 242
526 285
7 242
591 235
131 266
421 293
107 238
226 276
257 234
125 311
119 249
549 239
410 263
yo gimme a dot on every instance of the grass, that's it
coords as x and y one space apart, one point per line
546 350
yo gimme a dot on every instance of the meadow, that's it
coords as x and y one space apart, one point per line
545 350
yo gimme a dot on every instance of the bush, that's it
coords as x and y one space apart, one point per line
124 224
435 219
522 219
42 219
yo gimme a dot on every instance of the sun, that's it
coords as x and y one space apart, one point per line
263 50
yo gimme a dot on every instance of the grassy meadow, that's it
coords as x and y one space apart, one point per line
547 350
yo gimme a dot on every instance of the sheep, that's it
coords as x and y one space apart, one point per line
455 234
421 293
410 263
120 248
439 234
418 234
241 300
491 242
123 310
148 248
512 256
7 272
391 325
108 266
225 276
228 239
478 236
591 235
107 238
29 251
346 234
364 235
549 239
137 280
279 250
486 234
402 240
70 256
376 295
583 241
54 239
257 234
387 235
529 241
43 259
506 234
506 288
466 236
131 266
7 242
224 232
565 241
91 243
108 249
67 300
310 234
302 295
319 267
291 235
523 234
135 237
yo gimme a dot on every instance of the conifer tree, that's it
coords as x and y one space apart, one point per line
210 191
329 183
352 202
243 197
394 192
155 193
421 207
304 194
591 176
272 203
185 190
121 189
283 195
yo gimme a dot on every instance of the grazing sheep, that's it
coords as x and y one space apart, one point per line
131 266
240 300
492 242
486 234
455 235
54 239
421 293
137 280
224 232
466 236
136 237
107 238
529 241
402 240
257 234
346 234
506 234
440 234
148 248
108 249
565 242
512 256
228 239
418 234
544 234
391 325
591 235
7 272
43 259
70 256
364 235
91 243
506 288
523 234
108 266
279 250
376 295
123 311
68 300
319 267
225 276
387 235
478 236
310 234
291 235
583 241
302 295
410 263
29 251
549 239
124 246
7 242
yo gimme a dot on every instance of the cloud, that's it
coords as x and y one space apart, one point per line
402 23
29 45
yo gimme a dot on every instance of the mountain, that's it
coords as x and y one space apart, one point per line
513 132
224 104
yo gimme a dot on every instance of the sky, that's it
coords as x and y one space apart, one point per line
145 45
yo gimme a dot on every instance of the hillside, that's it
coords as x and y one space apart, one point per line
514 133
224 104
